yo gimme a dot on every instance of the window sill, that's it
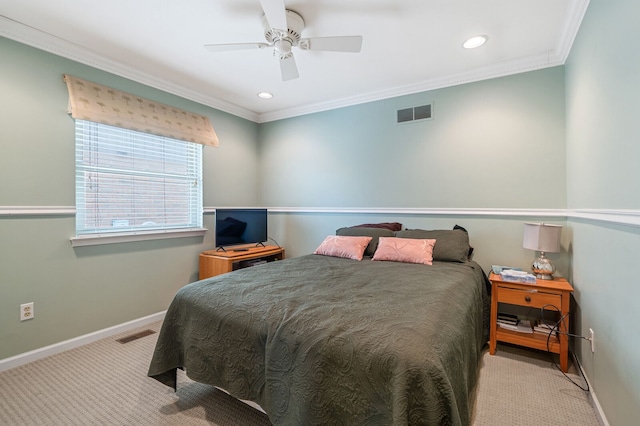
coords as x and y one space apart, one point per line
126 237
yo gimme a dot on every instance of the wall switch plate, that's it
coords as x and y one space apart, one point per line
26 311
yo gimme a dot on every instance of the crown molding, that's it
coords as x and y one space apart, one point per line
47 42
33 37
503 69
573 18
571 25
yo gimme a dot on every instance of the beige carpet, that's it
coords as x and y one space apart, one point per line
105 383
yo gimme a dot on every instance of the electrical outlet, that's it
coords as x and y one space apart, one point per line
26 311
591 336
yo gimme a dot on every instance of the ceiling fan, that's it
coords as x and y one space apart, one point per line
282 30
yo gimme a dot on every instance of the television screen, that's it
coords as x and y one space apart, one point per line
240 226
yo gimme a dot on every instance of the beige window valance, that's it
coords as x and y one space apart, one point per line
94 102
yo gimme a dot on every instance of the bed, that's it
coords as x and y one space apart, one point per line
318 339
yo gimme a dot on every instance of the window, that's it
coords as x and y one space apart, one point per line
133 182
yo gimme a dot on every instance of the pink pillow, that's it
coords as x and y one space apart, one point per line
347 247
408 250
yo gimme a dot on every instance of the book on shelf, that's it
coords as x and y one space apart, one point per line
507 318
511 327
514 323
543 328
522 326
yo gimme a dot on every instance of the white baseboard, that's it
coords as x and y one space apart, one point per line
24 358
594 398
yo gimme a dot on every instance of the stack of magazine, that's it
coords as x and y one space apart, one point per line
544 328
511 322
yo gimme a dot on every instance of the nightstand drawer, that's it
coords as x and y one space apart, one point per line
533 299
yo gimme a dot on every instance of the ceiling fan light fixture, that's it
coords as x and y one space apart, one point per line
283 47
475 41
282 31
265 95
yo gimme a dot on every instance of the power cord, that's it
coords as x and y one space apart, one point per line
274 241
556 327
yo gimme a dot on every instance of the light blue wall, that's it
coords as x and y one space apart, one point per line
603 149
495 143
602 109
81 290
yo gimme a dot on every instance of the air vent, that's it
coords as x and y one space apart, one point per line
135 336
422 112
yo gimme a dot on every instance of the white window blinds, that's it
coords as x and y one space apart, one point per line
132 181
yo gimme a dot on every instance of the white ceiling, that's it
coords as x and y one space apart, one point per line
409 46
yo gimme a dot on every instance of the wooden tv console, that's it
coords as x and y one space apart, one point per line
216 262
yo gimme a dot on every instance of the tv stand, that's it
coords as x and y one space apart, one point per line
213 262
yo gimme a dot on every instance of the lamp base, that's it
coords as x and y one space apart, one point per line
542 267
542 276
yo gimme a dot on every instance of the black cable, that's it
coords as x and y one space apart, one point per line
274 241
556 327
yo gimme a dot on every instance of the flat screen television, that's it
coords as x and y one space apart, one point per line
240 227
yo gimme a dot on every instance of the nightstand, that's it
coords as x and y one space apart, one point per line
547 294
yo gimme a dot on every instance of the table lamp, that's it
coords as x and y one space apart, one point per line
544 238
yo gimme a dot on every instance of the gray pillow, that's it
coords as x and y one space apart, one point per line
374 233
451 246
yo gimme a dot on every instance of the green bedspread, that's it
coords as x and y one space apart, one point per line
319 340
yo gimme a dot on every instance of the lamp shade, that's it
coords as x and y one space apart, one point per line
542 237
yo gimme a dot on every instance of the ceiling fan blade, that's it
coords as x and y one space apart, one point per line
235 46
332 44
276 14
288 68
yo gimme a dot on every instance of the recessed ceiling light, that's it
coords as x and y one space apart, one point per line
265 95
474 42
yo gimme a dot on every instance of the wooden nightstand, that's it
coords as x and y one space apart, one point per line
549 294
214 262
